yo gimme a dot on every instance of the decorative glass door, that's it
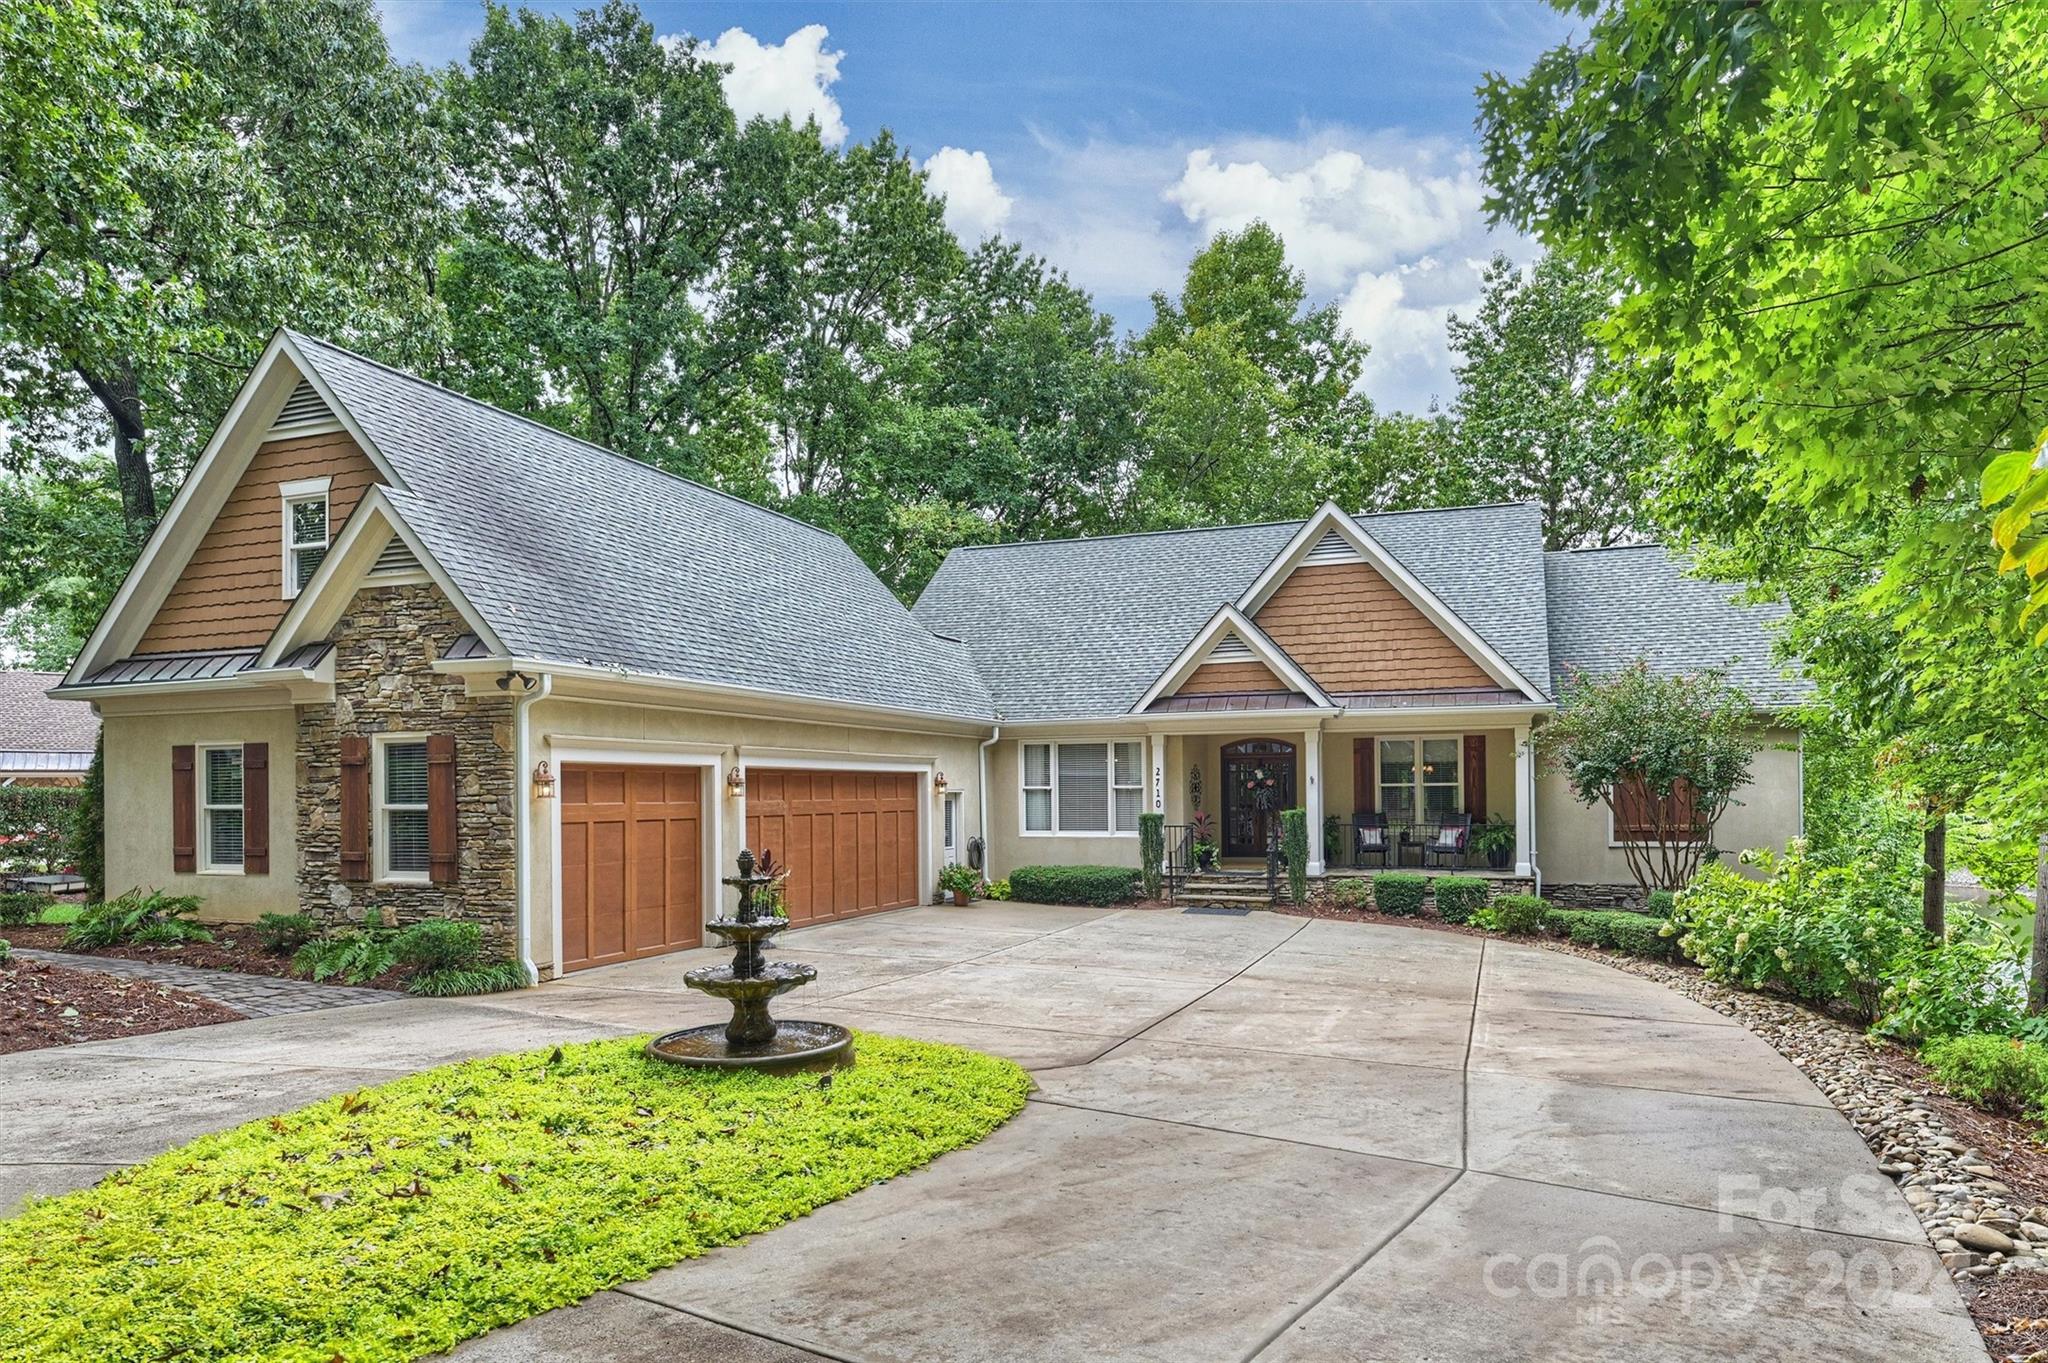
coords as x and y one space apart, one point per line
1258 782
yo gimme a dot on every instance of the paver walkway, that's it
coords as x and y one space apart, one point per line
256 996
1256 1137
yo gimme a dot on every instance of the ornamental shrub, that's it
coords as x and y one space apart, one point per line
439 944
1152 851
284 933
1459 897
956 877
1351 892
1294 849
1638 934
1661 902
17 908
1520 914
1100 886
36 824
1399 893
2000 1073
997 889
88 831
1970 982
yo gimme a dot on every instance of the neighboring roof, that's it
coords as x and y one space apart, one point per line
572 553
1609 607
16 763
30 722
1067 629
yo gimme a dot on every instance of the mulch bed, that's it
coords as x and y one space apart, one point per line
2012 1315
234 947
48 1005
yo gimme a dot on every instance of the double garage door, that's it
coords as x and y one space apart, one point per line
633 843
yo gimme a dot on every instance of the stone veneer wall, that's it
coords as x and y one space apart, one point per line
1594 896
383 646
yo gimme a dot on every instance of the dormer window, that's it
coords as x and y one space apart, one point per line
305 532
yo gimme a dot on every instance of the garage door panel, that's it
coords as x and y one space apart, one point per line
632 858
849 838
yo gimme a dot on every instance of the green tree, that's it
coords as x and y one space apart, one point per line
64 546
1832 216
1251 409
1680 744
178 179
1539 415
596 167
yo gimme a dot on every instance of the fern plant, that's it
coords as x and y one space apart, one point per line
353 955
150 918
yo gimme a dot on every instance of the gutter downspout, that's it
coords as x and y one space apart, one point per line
1535 865
522 895
988 858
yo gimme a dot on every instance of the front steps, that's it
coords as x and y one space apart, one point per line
1212 889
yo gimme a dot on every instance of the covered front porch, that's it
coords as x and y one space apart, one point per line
1442 790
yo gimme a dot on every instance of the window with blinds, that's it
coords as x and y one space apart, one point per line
402 810
1083 787
221 808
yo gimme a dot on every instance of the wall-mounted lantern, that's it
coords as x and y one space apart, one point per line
543 783
939 782
736 782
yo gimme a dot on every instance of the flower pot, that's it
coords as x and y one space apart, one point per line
1497 857
959 899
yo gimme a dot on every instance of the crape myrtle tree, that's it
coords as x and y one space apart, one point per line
1664 753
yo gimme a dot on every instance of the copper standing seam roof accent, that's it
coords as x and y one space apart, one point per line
1217 701
465 646
1431 699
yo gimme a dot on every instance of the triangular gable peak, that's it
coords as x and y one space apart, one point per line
376 549
1230 655
1353 617
282 399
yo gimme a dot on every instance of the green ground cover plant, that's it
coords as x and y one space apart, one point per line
2001 1073
62 915
391 1223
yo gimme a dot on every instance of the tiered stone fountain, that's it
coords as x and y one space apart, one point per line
753 1039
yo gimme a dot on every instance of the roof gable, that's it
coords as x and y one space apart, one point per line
1247 653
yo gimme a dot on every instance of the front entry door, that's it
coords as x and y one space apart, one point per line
1246 827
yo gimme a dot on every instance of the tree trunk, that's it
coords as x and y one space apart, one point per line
2037 969
1934 879
123 405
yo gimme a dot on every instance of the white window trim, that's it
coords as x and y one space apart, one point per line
378 808
1415 786
1055 744
949 819
207 865
290 494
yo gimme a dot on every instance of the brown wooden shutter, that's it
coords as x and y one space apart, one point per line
184 811
1631 809
1475 776
1363 789
256 809
355 807
441 809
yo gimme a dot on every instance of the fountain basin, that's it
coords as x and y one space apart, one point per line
794 1046
775 977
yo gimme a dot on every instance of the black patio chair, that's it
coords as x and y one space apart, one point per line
1369 839
1447 848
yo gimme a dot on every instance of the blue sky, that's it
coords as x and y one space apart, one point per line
1115 139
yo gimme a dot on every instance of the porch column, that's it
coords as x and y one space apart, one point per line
1525 799
1155 773
1312 760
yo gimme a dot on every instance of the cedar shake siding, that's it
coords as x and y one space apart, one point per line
1213 679
1352 630
231 594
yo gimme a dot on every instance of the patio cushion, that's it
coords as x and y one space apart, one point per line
1450 837
1372 837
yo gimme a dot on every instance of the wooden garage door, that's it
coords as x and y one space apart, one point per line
849 838
632 862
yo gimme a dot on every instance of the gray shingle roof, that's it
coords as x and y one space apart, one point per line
31 722
1609 607
1066 629
572 553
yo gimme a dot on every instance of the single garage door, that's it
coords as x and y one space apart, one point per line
849 838
632 862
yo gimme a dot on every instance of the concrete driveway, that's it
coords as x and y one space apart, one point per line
1256 1137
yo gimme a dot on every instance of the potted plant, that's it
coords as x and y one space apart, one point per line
960 881
1205 842
1495 839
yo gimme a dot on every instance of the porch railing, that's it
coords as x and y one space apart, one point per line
1180 856
1405 841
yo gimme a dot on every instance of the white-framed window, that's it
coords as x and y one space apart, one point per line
1083 787
1421 778
951 807
305 531
220 809
401 800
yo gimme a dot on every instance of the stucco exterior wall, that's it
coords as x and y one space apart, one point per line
566 728
1573 845
138 785
1012 847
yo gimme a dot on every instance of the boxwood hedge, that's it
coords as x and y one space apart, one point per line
1459 897
1638 934
1097 885
1399 893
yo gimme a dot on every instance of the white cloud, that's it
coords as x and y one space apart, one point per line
793 77
976 206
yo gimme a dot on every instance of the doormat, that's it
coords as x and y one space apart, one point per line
1216 909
